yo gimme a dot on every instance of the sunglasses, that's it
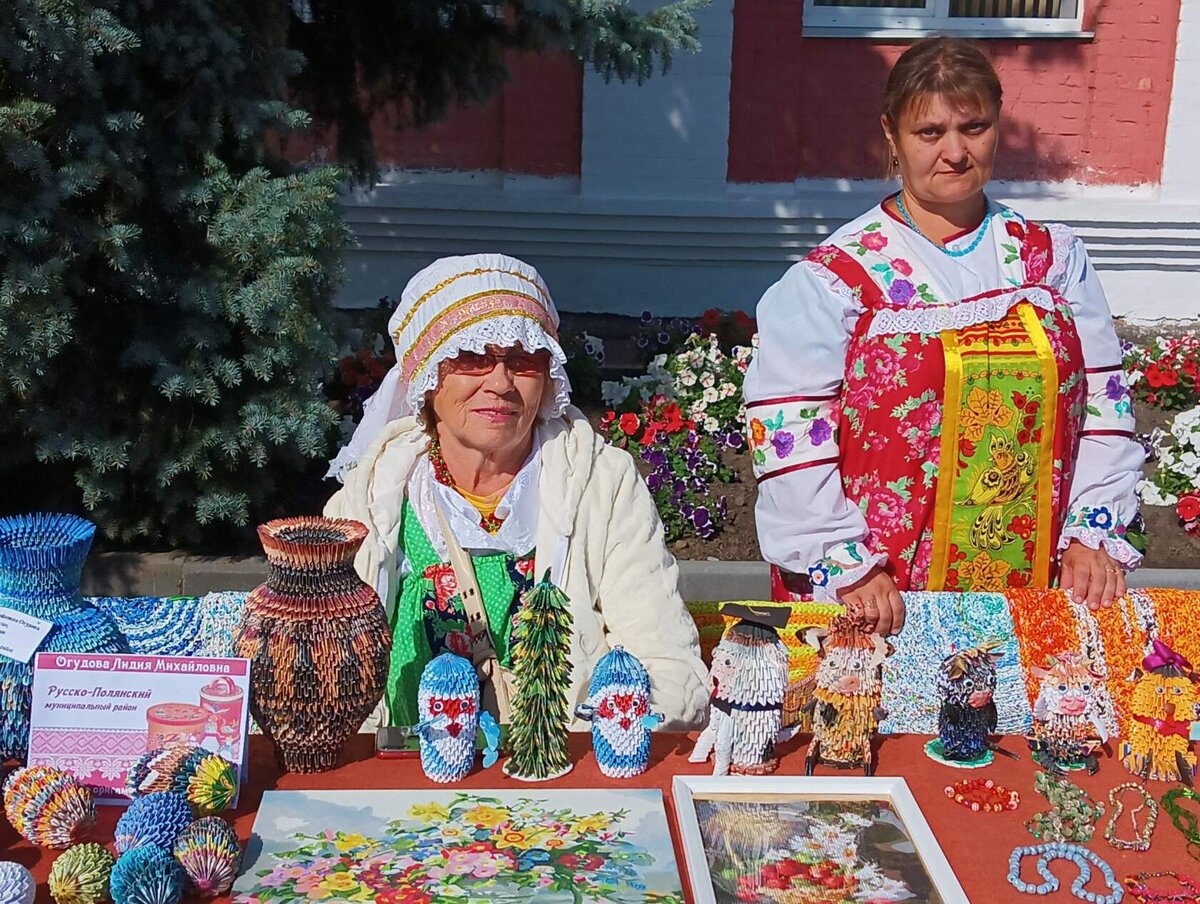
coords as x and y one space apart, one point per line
477 364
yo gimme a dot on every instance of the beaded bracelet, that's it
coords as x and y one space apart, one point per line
1137 887
1182 819
1080 856
1141 840
982 794
1072 815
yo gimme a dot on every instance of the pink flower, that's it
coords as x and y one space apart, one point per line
874 241
901 266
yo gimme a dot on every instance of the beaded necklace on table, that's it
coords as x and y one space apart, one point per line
1080 856
1184 820
982 229
1141 840
489 521
1189 892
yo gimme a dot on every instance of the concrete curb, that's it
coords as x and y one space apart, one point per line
171 574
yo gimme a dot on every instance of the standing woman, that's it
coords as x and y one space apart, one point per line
956 416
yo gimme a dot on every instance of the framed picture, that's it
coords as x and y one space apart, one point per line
465 846
767 839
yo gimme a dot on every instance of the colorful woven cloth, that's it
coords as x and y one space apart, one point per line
936 625
219 615
156 625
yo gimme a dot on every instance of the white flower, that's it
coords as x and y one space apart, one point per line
1152 495
697 410
710 395
614 393
707 379
658 361
728 390
687 378
593 345
711 425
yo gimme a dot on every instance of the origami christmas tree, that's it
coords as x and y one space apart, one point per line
542 673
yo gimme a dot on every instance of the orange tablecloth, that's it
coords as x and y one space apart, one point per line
977 845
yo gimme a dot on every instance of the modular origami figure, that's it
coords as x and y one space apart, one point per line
749 677
1067 728
448 702
967 716
1165 703
846 707
618 706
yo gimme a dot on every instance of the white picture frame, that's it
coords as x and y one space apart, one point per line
686 790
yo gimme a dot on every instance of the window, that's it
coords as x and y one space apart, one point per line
916 18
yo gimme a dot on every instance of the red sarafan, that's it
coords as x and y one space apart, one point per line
318 641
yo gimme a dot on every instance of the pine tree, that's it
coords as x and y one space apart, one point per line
164 281
422 57
542 671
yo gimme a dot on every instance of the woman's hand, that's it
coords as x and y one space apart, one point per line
1092 575
877 600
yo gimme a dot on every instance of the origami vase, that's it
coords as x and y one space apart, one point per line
41 559
318 640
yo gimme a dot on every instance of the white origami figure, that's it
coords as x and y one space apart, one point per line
618 706
448 702
749 677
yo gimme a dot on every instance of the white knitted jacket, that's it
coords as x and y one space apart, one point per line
595 513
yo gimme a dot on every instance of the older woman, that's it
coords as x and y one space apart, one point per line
472 431
955 416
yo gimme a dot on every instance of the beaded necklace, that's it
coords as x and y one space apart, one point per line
1072 815
1146 895
1141 840
978 794
982 228
1184 820
489 521
1080 856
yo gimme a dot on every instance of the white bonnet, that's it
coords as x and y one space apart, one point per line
458 304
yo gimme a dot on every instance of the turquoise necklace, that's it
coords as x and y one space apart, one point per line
983 228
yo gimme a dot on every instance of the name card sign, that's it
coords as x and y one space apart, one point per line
21 634
96 714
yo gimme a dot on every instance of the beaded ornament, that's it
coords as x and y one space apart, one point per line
153 821
1072 815
147 875
1165 702
208 780
448 703
967 686
846 699
1184 820
1067 729
618 706
49 807
80 875
16 884
749 677
938 623
156 625
1141 840
209 853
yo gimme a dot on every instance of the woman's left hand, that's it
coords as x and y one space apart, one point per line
1092 575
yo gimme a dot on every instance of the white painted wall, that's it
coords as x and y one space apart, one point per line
668 137
1181 163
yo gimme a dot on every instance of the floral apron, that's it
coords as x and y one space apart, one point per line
956 442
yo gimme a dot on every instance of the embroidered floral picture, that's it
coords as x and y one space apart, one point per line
784 848
420 847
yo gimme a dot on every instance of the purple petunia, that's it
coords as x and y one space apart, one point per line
654 481
901 291
1115 389
820 431
783 442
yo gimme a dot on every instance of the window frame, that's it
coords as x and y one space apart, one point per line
933 18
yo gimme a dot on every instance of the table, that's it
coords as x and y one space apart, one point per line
977 845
